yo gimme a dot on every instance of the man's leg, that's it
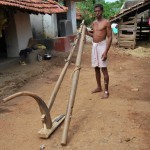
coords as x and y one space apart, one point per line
98 80
106 82
22 57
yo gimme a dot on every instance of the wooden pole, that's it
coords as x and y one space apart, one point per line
135 31
60 79
48 125
73 89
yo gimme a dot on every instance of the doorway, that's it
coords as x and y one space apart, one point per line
3 49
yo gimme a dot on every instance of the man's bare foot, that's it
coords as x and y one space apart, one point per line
96 90
106 95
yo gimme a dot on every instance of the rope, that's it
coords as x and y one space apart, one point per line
67 60
76 68
73 44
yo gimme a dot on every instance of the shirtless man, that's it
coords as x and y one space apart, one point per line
101 31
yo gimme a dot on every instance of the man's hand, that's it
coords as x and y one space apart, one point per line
89 32
104 56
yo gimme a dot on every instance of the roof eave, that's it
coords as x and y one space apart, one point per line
35 10
136 9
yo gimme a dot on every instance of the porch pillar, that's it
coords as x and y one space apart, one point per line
71 14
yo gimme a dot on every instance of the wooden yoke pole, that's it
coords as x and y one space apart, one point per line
49 126
60 79
73 89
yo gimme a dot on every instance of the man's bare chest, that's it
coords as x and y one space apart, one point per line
99 27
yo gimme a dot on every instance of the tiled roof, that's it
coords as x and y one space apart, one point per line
134 8
35 6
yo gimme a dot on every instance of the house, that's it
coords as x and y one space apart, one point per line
133 23
129 3
57 29
15 23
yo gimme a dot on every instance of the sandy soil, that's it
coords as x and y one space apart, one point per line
121 122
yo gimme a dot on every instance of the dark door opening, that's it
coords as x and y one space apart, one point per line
3 49
60 16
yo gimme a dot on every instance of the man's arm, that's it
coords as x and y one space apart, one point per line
89 33
109 40
109 36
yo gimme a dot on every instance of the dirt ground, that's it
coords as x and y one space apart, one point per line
121 122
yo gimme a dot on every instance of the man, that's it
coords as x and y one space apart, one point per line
101 31
23 55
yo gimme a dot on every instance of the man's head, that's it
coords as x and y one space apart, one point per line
98 9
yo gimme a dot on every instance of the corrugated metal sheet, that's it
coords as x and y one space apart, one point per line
129 10
36 6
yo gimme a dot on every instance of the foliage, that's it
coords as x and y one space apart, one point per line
87 9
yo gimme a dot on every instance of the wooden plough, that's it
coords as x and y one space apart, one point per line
50 125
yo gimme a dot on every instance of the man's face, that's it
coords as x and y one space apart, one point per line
98 12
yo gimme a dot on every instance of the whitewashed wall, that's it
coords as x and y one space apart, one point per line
44 26
37 26
18 33
50 26
24 32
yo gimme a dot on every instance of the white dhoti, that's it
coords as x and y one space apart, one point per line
97 51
